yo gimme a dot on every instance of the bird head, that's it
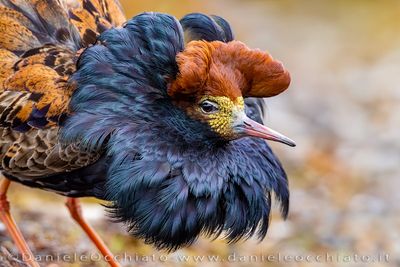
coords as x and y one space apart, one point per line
214 77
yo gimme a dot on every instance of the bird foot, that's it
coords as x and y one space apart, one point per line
4 204
12 228
74 208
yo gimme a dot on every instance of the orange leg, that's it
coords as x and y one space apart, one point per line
75 210
12 227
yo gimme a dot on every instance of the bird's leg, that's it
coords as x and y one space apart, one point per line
12 228
75 210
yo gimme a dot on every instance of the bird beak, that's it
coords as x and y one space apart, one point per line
248 127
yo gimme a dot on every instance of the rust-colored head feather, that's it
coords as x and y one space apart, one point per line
227 69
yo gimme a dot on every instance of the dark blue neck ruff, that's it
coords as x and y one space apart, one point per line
170 178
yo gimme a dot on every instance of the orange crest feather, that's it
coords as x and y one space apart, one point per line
227 69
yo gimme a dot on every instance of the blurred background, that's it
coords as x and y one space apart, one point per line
343 110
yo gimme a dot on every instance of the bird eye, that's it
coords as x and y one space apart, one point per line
208 107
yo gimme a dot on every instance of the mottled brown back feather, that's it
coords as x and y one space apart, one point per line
40 43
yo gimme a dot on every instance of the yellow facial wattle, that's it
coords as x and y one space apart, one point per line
221 122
